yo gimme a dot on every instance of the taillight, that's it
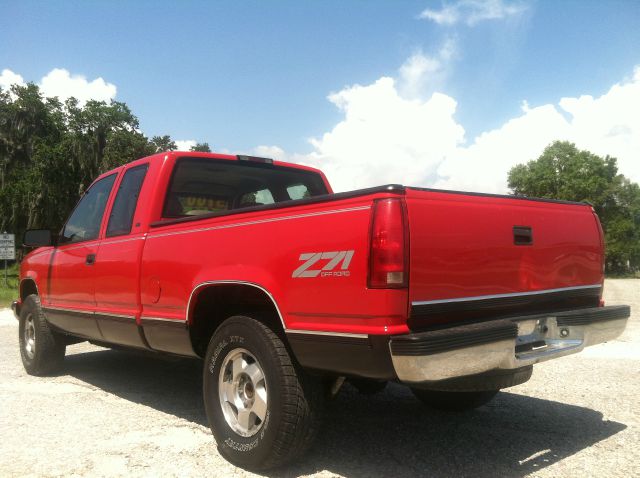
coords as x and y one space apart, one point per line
388 262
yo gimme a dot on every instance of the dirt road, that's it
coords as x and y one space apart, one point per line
117 413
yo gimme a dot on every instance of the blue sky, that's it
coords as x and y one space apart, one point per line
243 74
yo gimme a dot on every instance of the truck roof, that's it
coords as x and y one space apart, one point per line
162 156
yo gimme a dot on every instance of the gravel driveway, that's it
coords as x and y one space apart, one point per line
119 413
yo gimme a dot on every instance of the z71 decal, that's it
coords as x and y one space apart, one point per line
313 260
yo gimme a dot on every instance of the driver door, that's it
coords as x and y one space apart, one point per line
71 303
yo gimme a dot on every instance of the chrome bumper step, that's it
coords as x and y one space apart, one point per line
505 344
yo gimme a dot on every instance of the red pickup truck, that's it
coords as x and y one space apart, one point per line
285 288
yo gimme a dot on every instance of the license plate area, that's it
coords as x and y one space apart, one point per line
541 336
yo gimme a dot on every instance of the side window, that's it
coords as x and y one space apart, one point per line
84 223
124 206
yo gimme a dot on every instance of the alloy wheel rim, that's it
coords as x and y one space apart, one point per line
29 337
242 390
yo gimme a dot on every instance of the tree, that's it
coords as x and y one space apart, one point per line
31 131
24 119
201 147
163 143
50 152
91 128
565 172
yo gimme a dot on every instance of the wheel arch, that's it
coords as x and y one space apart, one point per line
211 302
28 286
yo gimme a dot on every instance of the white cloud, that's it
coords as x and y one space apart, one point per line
472 12
421 74
385 137
273 152
59 82
605 125
8 78
185 145
483 166
415 72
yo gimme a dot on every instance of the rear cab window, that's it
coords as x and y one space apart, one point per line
204 186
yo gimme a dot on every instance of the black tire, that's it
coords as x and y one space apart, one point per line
368 387
294 400
41 349
454 401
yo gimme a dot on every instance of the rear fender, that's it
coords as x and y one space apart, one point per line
202 286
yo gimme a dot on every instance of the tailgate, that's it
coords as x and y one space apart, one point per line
476 256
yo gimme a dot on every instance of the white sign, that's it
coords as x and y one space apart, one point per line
7 247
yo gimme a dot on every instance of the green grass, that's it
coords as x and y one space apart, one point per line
8 293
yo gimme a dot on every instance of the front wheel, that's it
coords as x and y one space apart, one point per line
263 410
41 349
454 401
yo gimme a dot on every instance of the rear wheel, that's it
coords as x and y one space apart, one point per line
454 401
264 411
41 349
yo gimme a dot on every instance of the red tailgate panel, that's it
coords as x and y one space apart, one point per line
463 246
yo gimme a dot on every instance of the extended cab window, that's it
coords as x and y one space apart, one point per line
124 206
84 223
202 186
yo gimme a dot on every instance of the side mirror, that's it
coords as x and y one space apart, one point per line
37 238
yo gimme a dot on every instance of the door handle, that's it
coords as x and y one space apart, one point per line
522 235
91 259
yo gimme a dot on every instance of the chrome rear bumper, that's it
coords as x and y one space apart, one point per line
502 345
